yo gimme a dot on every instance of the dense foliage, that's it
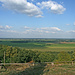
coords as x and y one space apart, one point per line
46 57
21 55
64 56
73 56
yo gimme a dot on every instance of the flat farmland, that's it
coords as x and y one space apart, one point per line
41 46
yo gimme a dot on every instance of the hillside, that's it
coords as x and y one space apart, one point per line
39 69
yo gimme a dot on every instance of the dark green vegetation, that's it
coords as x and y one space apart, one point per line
21 55
41 44
18 55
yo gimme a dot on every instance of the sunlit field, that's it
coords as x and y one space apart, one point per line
41 44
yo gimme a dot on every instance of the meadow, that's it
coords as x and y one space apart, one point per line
39 69
55 45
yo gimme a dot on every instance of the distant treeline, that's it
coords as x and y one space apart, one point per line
34 41
38 40
21 55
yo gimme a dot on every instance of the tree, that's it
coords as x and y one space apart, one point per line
8 53
26 55
36 56
73 55
46 57
63 56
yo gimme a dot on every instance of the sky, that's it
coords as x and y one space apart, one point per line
37 18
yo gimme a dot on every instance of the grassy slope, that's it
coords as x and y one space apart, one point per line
40 69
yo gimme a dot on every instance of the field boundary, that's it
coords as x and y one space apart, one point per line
63 62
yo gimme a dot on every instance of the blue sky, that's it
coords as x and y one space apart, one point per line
37 19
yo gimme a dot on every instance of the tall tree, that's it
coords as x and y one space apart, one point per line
63 56
73 55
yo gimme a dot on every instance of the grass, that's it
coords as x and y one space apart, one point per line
40 69
42 46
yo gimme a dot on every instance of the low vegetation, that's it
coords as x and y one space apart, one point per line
39 69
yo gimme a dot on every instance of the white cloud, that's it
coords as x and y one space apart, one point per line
22 6
46 32
43 30
26 27
1 27
32 0
8 27
71 31
68 24
55 28
5 27
74 23
11 31
25 7
51 28
53 6
39 16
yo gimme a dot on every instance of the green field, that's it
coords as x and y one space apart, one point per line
41 44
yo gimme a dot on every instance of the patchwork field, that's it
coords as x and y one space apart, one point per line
41 44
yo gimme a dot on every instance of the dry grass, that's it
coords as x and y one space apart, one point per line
39 69
67 42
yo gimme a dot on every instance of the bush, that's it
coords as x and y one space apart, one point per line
63 56
46 57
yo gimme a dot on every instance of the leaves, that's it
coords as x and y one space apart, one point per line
64 56
73 56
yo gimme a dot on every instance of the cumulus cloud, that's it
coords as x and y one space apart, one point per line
56 28
1 27
67 24
71 31
51 28
74 23
39 16
43 30
11 31
5 27
53 6
26 27
32 0
8 27
37 32
22 6
25 7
